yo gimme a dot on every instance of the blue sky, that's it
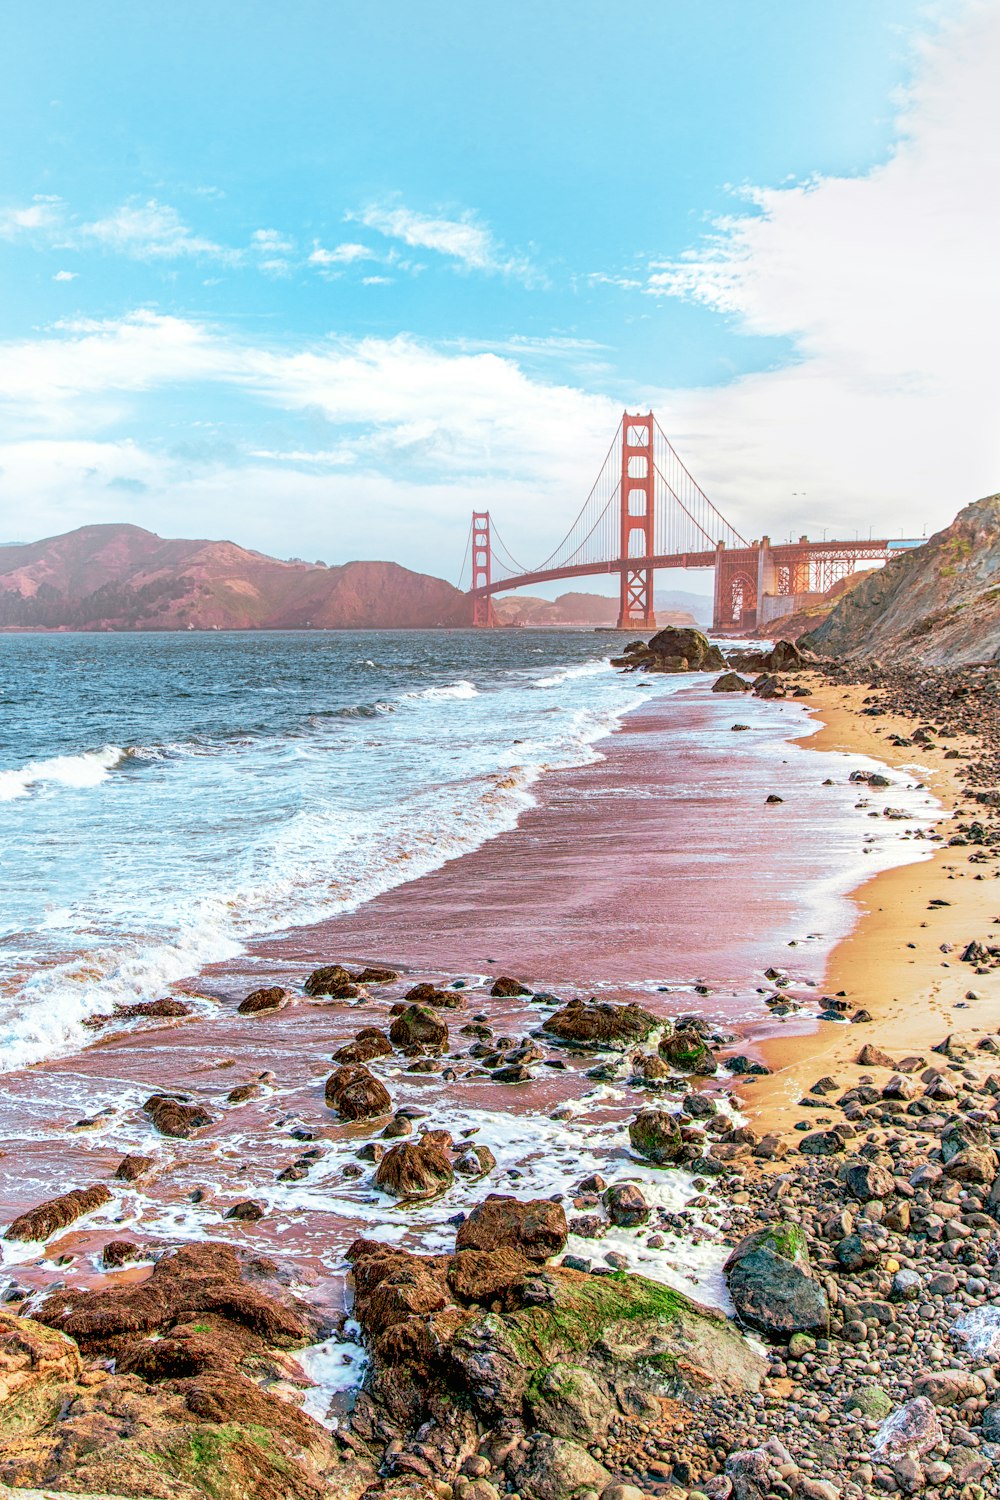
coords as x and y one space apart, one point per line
270 271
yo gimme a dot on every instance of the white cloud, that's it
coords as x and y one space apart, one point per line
65 276
377 280
150 231
886 285
42 214
341 255
466 242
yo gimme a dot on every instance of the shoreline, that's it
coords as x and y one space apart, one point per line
891 963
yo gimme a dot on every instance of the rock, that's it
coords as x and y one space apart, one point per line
332 980
166 1007
685 1051
535 1227
131 1168
907 1285
730 682
376 974
44 1221
119 1252
947 1387
414 1169
874 1057
871 1401
675 649
33 1359
568 1402
822 1143
699 1106
865 1181
771 1283
856 1252
246 1210
356 1094
244 1091
260 1001
978 1333
420 1028
367 1045
656 1135
551 1468
175 1118
913 1428
991 1422
973 1164
485 1275
505 988
474 1161
625 1205
587 1023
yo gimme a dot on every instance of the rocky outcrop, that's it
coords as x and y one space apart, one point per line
588 1023
512 1341
185 1415
672 650
657 1136
938 604
48 1218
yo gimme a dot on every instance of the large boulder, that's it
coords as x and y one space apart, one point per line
418 1028
415 1169
588 1023
356 1094
675 649
731 682
536 1228
771 1283
657 1136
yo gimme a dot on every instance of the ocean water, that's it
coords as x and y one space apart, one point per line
165 798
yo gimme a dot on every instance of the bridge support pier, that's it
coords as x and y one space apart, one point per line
636 521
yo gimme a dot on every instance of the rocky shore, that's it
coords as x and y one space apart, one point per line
859 1351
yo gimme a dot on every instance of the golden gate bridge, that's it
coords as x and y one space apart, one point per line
646 511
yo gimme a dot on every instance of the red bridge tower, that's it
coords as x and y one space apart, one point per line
482 571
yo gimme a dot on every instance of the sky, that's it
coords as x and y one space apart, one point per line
322 278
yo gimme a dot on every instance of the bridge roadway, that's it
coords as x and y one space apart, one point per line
745 576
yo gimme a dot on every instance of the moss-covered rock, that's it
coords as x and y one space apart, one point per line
657 1136
687 1052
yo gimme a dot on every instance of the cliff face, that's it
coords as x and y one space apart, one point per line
939 604
124 578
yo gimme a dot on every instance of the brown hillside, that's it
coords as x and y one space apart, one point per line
125 578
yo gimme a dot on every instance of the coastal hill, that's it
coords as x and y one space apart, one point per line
574 609
120 577
938 605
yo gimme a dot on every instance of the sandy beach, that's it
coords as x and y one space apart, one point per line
901 960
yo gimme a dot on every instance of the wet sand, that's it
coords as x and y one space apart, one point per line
659 873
